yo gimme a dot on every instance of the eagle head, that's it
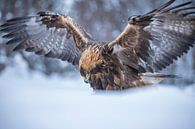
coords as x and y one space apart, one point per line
91 61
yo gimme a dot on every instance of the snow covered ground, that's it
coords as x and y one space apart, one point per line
32 101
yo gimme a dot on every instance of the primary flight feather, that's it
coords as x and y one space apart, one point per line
148 44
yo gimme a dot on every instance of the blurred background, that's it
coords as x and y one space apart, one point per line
42 93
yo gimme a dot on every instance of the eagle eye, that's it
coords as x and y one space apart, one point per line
82 72
96 69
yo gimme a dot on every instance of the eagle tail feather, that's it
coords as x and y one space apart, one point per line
155 78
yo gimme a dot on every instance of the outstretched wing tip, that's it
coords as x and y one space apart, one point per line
33 34
158 37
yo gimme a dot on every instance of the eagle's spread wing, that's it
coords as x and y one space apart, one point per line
154 40
49 34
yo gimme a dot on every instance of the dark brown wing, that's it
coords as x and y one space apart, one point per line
47 33
156 39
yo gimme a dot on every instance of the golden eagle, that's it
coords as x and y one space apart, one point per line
148 44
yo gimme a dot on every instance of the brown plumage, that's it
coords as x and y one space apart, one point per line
148 44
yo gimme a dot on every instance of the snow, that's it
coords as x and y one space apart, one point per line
33 101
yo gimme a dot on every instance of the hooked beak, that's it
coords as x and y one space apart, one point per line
86 79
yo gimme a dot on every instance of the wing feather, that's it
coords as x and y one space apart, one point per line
49 34
158 37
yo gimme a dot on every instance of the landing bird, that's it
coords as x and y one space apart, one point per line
148 44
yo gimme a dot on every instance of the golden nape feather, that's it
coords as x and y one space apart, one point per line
90 58
148 44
